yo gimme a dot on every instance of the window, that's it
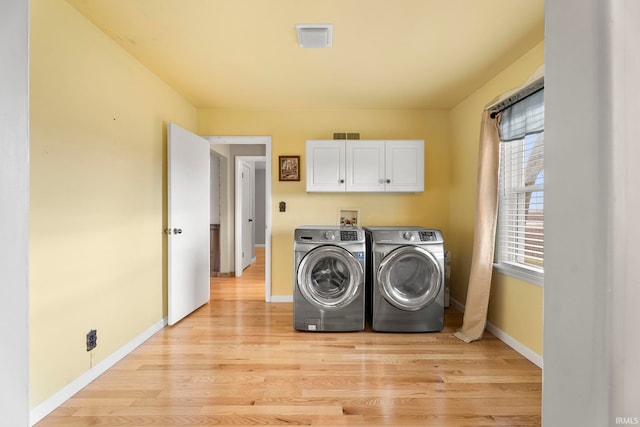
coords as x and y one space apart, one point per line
520 233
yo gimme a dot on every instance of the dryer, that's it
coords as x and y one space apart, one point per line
405 279
329 292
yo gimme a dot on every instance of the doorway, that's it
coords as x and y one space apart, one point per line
229 149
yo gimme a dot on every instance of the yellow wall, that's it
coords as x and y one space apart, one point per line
97 195
516 307
289 131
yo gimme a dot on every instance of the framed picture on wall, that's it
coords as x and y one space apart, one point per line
289 168
348 217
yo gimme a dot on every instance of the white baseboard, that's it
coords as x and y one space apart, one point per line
515 344
46 407
525 351
281 298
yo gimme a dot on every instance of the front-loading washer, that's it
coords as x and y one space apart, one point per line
329 292
405 279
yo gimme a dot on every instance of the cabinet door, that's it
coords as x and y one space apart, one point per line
404 165
365 165
325 165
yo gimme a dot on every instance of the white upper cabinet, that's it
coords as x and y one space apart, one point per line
325 166
365 165
404 165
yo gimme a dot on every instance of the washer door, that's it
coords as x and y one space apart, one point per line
329 277
409 278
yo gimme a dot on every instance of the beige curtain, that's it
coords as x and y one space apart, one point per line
476 306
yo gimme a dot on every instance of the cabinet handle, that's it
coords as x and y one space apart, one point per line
388 181
341 181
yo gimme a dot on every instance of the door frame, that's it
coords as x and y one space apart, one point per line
266 141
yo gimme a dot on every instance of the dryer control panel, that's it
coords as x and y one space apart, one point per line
428 236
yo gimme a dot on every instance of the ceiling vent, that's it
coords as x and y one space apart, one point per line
315 35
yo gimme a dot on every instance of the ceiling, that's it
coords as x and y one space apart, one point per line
386 54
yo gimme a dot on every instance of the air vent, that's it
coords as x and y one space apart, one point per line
346 135
314 35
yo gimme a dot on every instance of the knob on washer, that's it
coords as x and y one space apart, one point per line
329 235
407 235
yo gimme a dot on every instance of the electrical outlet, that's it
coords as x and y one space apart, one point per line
92 339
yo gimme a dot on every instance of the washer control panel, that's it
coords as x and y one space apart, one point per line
428 236
349 236
325 234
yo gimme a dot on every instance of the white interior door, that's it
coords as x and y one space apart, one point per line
188 222
247 214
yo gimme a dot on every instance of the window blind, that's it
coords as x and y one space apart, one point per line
523 118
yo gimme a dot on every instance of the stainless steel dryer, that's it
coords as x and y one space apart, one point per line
329 264
405 279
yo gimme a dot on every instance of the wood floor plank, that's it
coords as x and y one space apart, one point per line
238 361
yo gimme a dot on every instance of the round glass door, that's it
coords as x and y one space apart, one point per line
329 276
410 278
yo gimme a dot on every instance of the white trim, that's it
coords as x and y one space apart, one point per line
14 213
231 140
266 141
525 351
515 344
57 399
520 273
282 298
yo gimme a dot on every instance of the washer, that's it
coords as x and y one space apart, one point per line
405 279
329 292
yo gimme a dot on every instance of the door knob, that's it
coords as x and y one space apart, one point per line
177 231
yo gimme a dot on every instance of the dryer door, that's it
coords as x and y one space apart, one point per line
409 278
330 277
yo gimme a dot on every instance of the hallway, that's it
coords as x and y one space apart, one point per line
248 287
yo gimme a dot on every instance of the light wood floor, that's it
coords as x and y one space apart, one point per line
248 287
238 361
